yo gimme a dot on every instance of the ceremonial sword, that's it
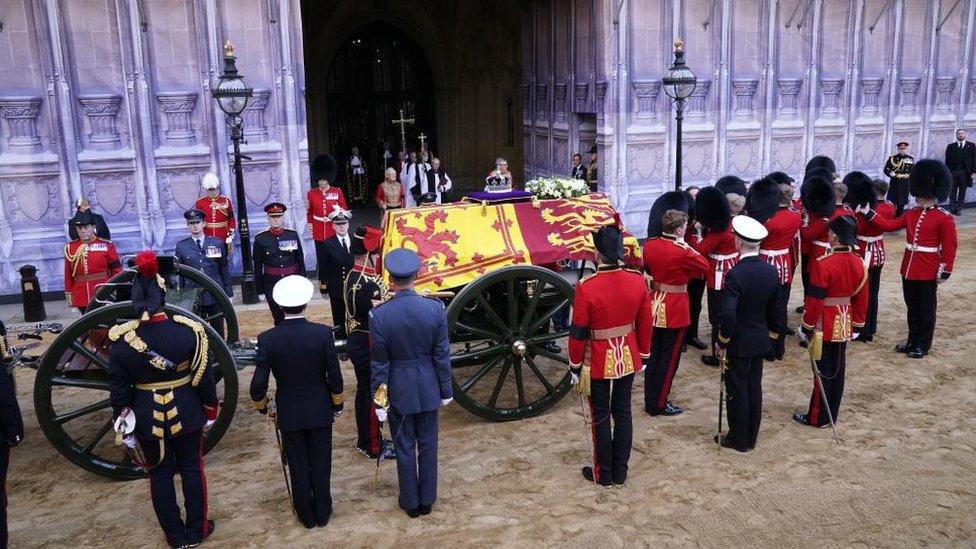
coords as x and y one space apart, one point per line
823 395
281 452
723 364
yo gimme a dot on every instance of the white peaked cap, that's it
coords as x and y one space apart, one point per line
293 291
748 229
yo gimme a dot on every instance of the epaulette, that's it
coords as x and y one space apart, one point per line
103 239
587 277
200 356
115 332
943 210
681 244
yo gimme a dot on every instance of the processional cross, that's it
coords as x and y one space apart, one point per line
423 143
403 131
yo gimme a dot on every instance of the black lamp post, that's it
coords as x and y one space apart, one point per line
232 94
679 83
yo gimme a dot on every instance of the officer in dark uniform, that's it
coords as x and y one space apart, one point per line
898 167
302 357
336 260
207 254
363 289
159 375
411 376
12 426
748 323
277 254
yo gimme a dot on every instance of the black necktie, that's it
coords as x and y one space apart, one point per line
344 245
200 244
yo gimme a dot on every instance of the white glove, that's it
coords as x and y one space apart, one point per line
209 424
573 379
335 415
381 414
863 208
129 441
802 336
446 401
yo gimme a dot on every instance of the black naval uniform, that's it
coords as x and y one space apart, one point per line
362 289
748 322
336 261
302 357
897 168
276 255
12 426
171 403
209 256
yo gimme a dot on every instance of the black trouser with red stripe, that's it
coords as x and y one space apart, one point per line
832 364
183 455
782 311
805 272
921 300
610 400
661 367
874 284
743 396
714 309
696 289
367 426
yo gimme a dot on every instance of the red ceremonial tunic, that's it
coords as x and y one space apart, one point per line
930 241
778 246
718 247
385 200
671 262
320 205
837 299
870 238
218 216
611 330
813 235
86 265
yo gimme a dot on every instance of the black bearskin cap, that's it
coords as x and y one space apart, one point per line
930 178
609 241
824 162
671 200
780 177
712 209
860 190
323 167
762 202
845 227
817 195
731 184
148 293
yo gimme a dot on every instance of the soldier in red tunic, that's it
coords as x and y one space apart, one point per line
218 212
835 306
769 203
819 167
322 199
930 250
88 262
861 189
670 263
608 341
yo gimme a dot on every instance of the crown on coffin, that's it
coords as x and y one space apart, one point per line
497 183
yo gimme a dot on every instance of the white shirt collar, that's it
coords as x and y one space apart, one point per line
295 316
743 255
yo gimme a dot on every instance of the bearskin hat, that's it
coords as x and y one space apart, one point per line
762 202
731 184
817 195
821 161
148 288
780 177
860 190
712 209
323 167
671 200
930 178
609 241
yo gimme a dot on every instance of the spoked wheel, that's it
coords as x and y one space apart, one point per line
500 325
71 392
178 292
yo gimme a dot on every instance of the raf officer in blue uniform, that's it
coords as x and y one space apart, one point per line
159 376
411 378
208 255
748 324
302 357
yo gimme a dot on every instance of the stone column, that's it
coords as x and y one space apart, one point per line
101 110
944 86
972 95
831 88
646 93
697 109
253 115
870 91
21 116
909 94
789 91
601 95
583 91
559 94
744 91
526 102
542 101
178 108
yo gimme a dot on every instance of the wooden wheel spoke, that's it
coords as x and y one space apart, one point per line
546 318
491 313
80 382
519 383
90 445
468 383
546 338
533 303
501 382
77 347
538 374
552 356
512 302
476 331
75 414
480 354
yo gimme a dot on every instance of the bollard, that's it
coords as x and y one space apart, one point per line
30 290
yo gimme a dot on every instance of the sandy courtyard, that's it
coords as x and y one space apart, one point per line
906 475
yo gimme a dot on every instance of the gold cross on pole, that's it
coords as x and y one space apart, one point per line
423 143
403 130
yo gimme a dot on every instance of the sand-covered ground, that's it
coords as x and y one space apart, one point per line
905 476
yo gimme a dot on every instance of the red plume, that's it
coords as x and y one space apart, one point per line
616 221
146 264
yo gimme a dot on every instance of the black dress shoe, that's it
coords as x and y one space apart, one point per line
413 513
726 443
588 475
325 521
803 343
803 419
671 410
917 352
697 343
863 338
425 509
798 310
904 348
552 347
709 360
308 525
684 348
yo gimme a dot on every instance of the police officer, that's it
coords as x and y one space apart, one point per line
277 254
302 357
88 262
335 262
159 375
363 289
835 306
411 378
207 254
897 168
748 323
609 338
11 429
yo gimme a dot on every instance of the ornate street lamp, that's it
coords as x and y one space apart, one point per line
679 83
232 94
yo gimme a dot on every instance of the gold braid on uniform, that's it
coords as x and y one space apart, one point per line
200 357
75 259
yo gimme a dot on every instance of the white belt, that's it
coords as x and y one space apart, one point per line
774 253
322 219
926 249
723 257
870 239
821 243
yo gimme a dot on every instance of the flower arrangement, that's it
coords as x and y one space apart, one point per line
556 187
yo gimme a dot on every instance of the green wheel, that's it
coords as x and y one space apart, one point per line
499 326
71 392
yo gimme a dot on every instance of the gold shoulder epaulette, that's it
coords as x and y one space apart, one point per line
198 365
587 277
115 332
